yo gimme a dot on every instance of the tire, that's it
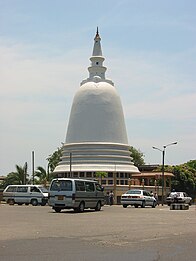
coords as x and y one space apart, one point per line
98 206
34 202
57 210
26 204
136 206
143 204
81 207
124 206
11 202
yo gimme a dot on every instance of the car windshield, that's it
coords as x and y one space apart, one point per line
44 190
133 192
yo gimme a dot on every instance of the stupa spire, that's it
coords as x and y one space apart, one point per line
97 70
97 45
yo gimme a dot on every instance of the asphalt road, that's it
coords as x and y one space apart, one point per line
115 233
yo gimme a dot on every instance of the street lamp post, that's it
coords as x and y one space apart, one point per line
163 166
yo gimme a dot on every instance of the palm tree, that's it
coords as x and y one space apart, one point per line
101 175
19 177
42 175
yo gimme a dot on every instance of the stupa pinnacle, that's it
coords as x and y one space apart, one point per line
96 135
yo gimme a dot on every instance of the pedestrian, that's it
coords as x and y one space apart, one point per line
157 198
111 198
108 198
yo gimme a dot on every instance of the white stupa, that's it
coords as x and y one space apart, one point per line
96 137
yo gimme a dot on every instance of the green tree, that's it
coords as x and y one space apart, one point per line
19 177
137 157
42 175
184 179
101 175
55 158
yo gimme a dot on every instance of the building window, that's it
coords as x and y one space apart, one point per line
126 182
117 182
122 182
117 175
89 174
82 174
103 182
110 182
122 175
75 174
110 175
126 175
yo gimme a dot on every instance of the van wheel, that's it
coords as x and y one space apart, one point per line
124 206
34 202
81 207
11 201
98 206
58 210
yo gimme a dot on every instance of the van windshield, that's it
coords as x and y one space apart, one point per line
44 190
61 185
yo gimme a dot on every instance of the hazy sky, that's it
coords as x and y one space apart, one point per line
150 51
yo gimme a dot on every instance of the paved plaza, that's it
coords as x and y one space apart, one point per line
114 233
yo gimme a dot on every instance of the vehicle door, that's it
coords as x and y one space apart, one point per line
61 191
9 193
99 192
35 193
148 198
90 201
80 191
21 195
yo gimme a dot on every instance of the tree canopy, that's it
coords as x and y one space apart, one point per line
137 157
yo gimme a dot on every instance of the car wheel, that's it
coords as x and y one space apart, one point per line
143 204
98 206
81 207
58 210
124 206
11 201
34 202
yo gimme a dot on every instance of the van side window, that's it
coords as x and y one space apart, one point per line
80 185
11 189
98 187
34 189
89 186
22 189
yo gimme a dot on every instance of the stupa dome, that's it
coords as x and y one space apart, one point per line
96 115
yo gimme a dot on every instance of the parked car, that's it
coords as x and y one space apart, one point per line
138 197
178 197
26 194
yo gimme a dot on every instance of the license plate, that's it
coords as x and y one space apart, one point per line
60 197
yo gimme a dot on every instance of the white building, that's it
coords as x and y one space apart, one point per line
96 139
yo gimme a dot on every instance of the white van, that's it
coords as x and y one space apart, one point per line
26 194
77 194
